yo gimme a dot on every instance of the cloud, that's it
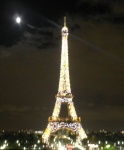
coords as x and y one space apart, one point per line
43 33
23 112
17 109
99 11
43 38
40 39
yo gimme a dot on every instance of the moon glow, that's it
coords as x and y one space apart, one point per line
18 20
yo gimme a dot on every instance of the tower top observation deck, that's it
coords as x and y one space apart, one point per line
64 29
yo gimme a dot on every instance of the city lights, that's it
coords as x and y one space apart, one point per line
94 141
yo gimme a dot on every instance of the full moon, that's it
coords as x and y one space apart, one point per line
18 19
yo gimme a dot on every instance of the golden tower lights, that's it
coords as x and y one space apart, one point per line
64 95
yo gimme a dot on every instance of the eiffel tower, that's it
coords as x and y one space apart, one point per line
64 96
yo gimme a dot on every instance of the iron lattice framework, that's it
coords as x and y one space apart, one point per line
72 121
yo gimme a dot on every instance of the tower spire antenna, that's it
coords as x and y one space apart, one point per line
64 21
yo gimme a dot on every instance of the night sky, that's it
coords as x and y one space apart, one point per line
30 61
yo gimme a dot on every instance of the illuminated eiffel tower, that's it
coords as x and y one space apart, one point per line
72 122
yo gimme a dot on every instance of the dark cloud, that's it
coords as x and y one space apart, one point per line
87 10
91 8
99 11
43 38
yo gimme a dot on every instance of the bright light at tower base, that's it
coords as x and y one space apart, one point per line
18 20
